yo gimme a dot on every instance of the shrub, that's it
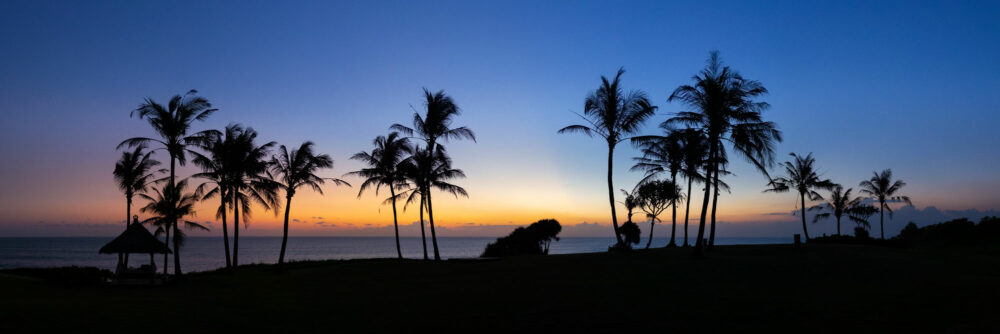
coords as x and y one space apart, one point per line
531 240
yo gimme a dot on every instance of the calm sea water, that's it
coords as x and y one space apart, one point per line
206 253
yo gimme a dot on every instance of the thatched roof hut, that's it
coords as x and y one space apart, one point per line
135 239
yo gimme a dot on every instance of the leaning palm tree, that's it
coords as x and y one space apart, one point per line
251 182
296 169
434 172
172 123
382 169
840 203
613 115
660 155
435 125
415 177
802 177
695 153
218 170
654 197
169 207
883 189
133 173
725 109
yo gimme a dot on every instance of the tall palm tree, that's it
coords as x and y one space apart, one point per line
172 123
252 182
435 125
802 177
662 154
695 153
433 171
296 169
883 189
219 170
414 177
613 115
654 197
726 111
169 207
839 204
383 170
133 173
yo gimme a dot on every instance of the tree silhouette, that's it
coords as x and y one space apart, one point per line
654 197
883 189
726 111
383 170
435 125
802 177
171 123
840 204
218 170
169 207
631 201
252 182
531 240
133 173
695 152
432 170
613 115
295 169
662 154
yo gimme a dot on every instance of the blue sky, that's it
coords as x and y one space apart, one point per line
863 85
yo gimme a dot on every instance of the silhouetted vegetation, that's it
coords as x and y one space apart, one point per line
802 177
384 170
531 240
883 189
64 275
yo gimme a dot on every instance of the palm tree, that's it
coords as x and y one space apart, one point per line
631 201
433 172
383 170
654 197
840 203
802 177
613 115
882 188
695 153
169 207
218 171
661 154
726 111
296 169
133 173
171 123
251 181
433 126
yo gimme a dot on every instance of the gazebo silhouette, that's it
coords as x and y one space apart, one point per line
135 239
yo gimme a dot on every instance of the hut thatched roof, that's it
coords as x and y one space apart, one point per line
135 239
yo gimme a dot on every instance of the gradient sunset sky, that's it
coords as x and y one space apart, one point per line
864 85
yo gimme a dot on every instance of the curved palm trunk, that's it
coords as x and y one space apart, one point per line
652 222
166 241
395 221
805 230
611 193
423 235
715 205
881 220
177 251
173 163
710 167
128 219
284 234
673 226
838 225
430 217
687 212
236 231
225 233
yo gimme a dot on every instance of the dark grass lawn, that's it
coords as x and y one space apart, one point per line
820 288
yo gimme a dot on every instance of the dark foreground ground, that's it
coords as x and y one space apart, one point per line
821 288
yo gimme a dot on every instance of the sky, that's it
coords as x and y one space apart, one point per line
863 85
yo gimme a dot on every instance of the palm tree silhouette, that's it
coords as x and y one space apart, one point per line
133 173
433 171
654 197
882 188
695 153
613 115
803 178
631 201
725 110
169 207
171 123
383 170
661 154
296 169
440 109
840 203
251 182
218 170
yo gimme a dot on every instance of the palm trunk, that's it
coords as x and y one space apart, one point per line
177 251
423 235
173 163
225 232
673 204
284 234
430 217
652 222
236 231
687 212
881 220
166 241
715 203
611 193
838 225
128 219
709 167
805 231
395 221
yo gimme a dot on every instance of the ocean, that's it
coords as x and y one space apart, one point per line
206 253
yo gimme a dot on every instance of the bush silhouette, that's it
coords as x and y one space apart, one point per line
531 240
